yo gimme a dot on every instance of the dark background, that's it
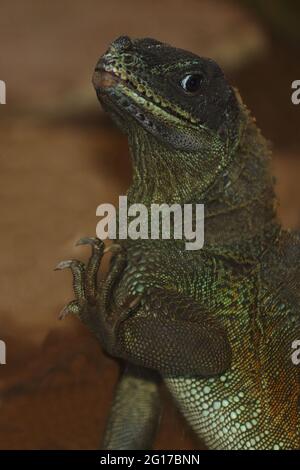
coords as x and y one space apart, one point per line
60 157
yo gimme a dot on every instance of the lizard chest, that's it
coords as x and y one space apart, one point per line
228 414
148 266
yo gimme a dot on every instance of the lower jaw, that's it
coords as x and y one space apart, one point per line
125 109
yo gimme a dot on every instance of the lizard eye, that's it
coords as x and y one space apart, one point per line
191 83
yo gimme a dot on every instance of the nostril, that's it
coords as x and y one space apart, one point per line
122 42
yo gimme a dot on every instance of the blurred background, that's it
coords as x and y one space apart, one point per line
60 157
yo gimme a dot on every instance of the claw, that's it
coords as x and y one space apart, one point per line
127 308
134 303
93 264
95 242
78 271
64 264
71 308
113 248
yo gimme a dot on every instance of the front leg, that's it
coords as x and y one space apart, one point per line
93 303
162 330
136 408
171 333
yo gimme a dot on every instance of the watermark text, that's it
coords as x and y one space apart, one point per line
164 222
2 352
2 92
296 352
296 94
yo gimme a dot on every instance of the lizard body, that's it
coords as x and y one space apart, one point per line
216 324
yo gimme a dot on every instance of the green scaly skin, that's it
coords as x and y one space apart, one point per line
215 324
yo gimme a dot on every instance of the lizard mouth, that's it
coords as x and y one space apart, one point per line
104 80
121 95
121 98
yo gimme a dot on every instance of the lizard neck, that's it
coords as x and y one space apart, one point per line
238 196
162 174
241 204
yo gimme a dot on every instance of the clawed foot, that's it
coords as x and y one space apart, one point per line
93 300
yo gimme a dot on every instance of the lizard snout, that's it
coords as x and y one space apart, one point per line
122 43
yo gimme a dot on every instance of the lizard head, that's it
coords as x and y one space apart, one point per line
173 94
190 137
181 100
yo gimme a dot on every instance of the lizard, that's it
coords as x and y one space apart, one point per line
216 325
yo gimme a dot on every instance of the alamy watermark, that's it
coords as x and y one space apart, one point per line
2 92
296 93
2 352
2 343
164 222
296 352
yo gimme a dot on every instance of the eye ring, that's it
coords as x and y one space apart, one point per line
191 83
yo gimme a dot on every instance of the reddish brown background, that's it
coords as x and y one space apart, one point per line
60 157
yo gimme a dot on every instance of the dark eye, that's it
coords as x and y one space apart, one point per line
192 82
